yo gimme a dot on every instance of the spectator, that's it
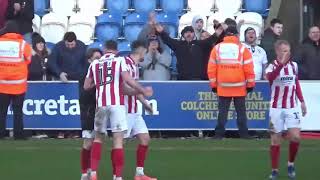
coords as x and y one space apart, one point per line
271 35
231 80
38 66
22 11
156 62
67 60
148 31
3 12
189 52
197 24
259 55
308 55
14 59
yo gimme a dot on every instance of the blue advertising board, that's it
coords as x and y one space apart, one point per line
178 105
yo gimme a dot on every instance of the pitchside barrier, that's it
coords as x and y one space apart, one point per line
177 105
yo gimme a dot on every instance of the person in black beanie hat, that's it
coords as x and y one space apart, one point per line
38 66
191 57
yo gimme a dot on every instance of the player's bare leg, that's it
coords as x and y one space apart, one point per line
294 137
117 154
96 154
142 151
85 157
275 154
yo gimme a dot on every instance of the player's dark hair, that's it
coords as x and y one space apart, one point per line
111 45
275 21
91 51
69 36
280 42
136 45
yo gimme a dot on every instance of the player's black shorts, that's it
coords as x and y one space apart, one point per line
87 100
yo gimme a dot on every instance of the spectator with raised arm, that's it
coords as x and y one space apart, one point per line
22 11
189 52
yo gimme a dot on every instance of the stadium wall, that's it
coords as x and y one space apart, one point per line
178 105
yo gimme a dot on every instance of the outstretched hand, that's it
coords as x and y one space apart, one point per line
159 28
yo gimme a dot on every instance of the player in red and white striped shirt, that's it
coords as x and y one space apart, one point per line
108 75
136 124
284 113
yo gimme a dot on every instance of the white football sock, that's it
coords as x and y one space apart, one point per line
139 171
290 163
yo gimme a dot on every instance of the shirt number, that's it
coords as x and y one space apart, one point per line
108 78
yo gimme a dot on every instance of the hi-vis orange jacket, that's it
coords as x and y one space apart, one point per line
230 68
15 55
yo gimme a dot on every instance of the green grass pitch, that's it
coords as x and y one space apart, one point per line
169 159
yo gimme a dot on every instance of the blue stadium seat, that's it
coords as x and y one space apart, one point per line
124 48
41 7
133 25
96 44
117 6
144 6
170 20
174 6
258 6
108 26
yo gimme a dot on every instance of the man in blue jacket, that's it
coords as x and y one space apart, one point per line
68 58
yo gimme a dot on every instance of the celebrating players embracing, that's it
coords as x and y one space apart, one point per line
108 76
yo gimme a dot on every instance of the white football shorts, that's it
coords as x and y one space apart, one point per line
115 115
283 119
136 125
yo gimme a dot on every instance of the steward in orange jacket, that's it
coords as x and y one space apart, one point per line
15 55
231 75
230 68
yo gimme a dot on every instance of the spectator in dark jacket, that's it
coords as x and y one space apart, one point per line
308 56
3 12
68 58
189 52
271 35
38 66
22 11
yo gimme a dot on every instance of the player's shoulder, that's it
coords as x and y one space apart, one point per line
294 64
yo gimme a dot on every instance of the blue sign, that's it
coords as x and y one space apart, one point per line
192 106
178 105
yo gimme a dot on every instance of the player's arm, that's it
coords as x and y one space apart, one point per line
88 82
145 103
300 97
135 85
127 90
273 72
